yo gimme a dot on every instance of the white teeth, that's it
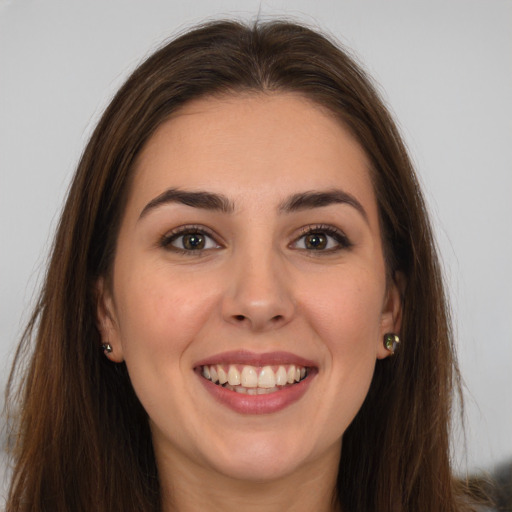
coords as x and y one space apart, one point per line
233 376
267 378
253 380
249 378
223 378
281 377
291 375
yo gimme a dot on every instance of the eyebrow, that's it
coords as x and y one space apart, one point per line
318 199
218 202
203 200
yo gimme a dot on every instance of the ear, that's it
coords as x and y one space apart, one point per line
106 321
391 319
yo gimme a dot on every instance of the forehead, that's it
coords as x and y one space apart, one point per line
253 146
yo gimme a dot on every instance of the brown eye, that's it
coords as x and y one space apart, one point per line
315 241
193 241
326 239
189 240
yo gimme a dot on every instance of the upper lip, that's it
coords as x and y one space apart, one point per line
245 357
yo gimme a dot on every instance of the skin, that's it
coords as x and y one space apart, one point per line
256 286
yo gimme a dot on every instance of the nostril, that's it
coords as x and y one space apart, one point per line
277 318
240 318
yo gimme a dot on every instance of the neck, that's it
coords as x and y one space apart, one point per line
187 487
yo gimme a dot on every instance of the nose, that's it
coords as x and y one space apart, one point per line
258 296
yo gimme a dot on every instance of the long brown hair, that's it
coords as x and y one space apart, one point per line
82 440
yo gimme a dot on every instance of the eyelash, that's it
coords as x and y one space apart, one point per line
170 237
320 229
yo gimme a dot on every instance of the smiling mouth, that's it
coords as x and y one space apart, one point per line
254 380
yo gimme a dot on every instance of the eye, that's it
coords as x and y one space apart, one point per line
321 238
188 239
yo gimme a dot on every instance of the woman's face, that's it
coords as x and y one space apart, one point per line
250 251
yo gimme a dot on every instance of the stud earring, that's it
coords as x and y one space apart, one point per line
107 348
391 342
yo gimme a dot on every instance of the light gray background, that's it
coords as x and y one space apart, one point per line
445 67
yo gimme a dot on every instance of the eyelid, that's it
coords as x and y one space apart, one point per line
166 240
337 234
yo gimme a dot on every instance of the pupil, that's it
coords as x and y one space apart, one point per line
193 242
316 241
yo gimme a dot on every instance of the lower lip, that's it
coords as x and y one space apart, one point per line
259 404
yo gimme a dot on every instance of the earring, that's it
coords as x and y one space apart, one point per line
107 348
391 342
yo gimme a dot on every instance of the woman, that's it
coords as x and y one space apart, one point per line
243 248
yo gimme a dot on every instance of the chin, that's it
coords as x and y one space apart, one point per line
260 460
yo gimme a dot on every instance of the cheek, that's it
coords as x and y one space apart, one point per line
160 316
162 313
346 310
346 316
